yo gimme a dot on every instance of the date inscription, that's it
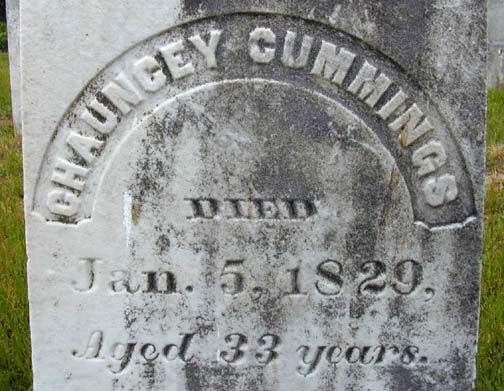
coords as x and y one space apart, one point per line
327 278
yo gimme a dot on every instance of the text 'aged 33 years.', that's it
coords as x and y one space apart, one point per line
238 349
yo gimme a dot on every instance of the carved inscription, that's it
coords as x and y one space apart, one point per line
314 356
251 209
323 60
329 278
241 350
124 281
119 355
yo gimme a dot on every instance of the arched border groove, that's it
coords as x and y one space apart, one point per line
248 46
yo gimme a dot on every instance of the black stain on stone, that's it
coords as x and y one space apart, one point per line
200 377
289 165
196 7
464 278
149 374
404 378
402 27
163 244
367 196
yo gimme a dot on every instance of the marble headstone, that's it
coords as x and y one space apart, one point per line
495 43
254 195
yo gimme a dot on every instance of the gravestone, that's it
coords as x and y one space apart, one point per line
496 43
12 7
254 195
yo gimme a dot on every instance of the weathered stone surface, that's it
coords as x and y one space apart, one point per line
12 7
496 43
254 195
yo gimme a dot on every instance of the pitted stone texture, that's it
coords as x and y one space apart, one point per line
254 195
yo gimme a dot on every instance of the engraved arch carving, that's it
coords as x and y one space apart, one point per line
260 47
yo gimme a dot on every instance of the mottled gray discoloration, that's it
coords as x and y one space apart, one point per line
253 224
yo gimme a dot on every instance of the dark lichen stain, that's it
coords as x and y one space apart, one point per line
408 378
289 165
358 307
201 377
367 198
149 374
192 8
130 317
162 244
